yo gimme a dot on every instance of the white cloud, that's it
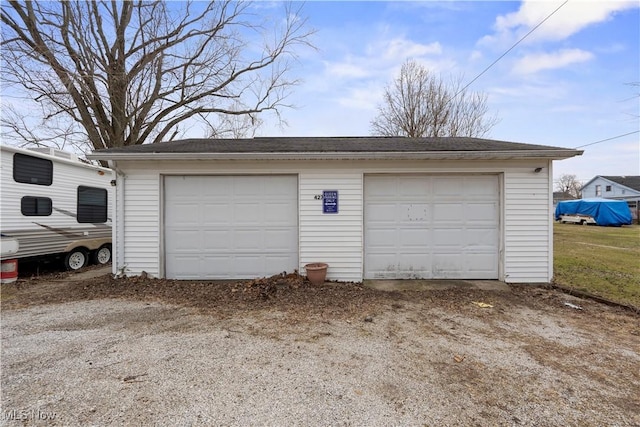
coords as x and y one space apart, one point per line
570 108
346 69
533 63
382 59
540 91
398 49
364 98
476 55
568 20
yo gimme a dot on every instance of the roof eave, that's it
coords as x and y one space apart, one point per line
422 155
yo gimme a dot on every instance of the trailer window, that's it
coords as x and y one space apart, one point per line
92 204
32 170
35 206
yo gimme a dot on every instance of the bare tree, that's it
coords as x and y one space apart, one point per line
569 184
420 104
132 72
234 126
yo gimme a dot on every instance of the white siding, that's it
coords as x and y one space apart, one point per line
525 217
527 230
141 246
332 238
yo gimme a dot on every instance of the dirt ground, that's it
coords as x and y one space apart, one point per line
280 351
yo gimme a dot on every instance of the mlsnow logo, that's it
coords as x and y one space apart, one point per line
27 415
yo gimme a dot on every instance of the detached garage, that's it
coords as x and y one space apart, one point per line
372 208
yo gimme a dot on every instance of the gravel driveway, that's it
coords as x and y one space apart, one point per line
430 358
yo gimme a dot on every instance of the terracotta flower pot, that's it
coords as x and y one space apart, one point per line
316 272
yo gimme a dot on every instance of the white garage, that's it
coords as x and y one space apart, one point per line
221 227
431 227
369 207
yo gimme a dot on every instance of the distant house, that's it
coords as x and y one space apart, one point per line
615 187
561 196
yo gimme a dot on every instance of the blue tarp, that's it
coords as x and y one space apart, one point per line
605 212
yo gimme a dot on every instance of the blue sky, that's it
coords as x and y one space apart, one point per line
566 85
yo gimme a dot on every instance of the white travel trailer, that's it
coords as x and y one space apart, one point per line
54 204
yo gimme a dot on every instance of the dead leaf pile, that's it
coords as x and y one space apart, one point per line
267 287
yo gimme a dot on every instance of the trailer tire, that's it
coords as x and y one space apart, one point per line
76 259
103 255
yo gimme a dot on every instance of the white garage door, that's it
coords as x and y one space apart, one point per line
431 227
230 227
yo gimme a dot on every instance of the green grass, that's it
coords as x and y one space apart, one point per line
603 261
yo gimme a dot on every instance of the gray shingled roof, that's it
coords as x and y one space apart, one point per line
328 144
628 181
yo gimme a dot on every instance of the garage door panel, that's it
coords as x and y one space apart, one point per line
216 239
185 239
418 260
220 262
274 259
246 187
248 227
279 240
414 237
205 188
183 213
382 212
216 213
186 265
480 187
251 265
448 212
409 187
382 238
413 212
382 260
477 262
481 211
247 213
282 187
380 187
247 240
448 237
481 237
431 226
279 213
448 187
449 262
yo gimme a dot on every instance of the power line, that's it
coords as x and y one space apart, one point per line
608 139
510 49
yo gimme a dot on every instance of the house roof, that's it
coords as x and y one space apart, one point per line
336 148
562 195
632 182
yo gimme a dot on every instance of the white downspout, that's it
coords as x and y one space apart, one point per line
551 219
117 232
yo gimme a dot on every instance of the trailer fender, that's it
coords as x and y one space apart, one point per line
90 244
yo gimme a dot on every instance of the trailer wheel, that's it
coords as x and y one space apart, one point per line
76 259
103 255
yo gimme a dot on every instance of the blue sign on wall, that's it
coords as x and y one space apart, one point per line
330 202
